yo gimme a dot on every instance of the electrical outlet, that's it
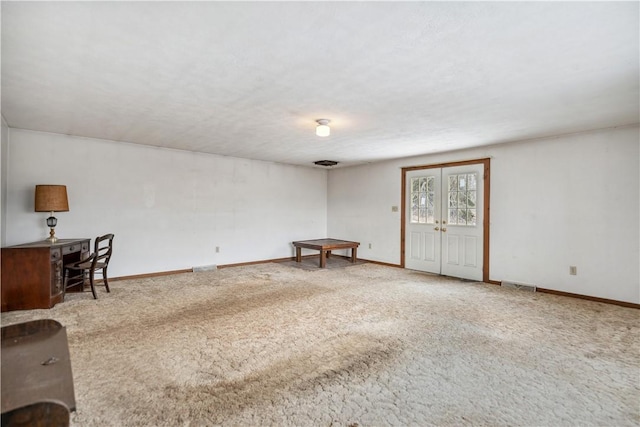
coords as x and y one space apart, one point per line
217 249
573 270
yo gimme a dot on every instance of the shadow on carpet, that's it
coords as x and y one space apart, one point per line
312 263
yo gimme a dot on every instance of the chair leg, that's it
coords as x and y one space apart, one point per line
104 277
65 277
93 289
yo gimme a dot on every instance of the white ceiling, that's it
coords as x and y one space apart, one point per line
249 79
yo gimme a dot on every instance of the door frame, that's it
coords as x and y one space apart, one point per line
486 220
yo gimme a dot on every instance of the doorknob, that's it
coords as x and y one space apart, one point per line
444 230
444 222
437 222
437 228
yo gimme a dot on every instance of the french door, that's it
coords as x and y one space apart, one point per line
444 220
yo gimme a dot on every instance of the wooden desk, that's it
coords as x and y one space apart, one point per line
32 273
37 384
325 246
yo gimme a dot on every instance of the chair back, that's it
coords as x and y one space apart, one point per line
102 250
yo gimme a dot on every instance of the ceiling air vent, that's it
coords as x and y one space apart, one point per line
325 163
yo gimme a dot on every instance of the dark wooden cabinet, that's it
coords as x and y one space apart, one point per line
32 273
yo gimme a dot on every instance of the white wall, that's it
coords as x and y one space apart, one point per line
568 200
4 153
555 202
169 209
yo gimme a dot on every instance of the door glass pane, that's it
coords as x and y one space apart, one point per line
453 183
453 216
423 184
471 217
462 217
462 182
415 185
423 200
472 181
462 199
453 199
430 216
471 199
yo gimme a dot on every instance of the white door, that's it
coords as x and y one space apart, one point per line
422 225
444 224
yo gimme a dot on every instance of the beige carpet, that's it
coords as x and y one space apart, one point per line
368 345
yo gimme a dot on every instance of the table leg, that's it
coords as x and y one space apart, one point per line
354 256
323 259
298 254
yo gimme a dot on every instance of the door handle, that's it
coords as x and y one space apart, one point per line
437 228
444 230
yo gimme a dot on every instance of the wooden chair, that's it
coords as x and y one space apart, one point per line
76 273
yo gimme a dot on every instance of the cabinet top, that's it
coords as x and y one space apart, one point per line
47 244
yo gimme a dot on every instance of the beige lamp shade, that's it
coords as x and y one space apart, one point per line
51 198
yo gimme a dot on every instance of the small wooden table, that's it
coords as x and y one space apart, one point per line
325 246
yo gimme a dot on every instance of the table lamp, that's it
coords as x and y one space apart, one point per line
51 198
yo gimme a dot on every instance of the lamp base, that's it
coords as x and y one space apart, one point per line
52 236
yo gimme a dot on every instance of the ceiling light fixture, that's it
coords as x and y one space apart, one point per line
323 128
326 163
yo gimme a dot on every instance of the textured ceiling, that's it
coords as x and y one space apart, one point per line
249 79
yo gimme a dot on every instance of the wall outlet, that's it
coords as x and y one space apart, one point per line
217 249
573 270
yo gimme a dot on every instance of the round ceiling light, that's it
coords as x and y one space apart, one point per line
323 128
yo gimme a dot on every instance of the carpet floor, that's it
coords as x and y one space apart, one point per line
366 345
